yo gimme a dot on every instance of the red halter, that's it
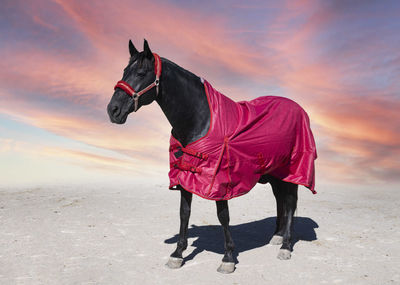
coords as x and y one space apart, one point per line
135 95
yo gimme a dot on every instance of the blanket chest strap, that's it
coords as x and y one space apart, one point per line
186 167
189 151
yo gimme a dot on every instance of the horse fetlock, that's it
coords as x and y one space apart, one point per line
286 244
176 254
228 257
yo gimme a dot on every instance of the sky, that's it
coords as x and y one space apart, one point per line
340 60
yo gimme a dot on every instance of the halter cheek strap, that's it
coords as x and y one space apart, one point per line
135 95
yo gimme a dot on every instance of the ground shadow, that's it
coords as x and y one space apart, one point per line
247 236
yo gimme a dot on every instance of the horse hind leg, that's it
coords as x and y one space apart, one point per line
176 259
286 199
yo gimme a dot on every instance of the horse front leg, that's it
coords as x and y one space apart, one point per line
176 259
228 262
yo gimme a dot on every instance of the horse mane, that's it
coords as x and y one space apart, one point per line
183 71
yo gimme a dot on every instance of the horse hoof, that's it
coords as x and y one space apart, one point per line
284 254
276 240
226 267
174 262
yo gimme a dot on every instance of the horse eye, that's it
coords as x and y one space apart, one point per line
141 72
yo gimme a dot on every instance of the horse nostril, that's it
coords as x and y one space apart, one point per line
115 111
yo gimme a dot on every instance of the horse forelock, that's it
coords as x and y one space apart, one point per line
142 61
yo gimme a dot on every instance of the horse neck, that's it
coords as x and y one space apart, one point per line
183 100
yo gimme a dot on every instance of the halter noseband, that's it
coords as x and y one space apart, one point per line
135 95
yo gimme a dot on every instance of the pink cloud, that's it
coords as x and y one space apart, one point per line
38 20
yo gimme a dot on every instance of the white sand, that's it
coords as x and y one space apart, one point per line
111 235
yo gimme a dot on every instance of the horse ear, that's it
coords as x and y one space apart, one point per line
146 50
132 50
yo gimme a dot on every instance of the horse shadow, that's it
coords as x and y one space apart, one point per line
246 236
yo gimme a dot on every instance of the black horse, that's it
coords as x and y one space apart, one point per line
182 98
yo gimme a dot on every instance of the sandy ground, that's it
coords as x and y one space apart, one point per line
122 235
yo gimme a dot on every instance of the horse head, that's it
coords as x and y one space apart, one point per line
138 86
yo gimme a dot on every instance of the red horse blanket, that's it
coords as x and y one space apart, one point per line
245 140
